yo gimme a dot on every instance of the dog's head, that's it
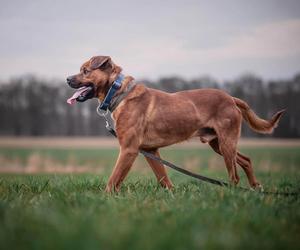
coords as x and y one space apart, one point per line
94 79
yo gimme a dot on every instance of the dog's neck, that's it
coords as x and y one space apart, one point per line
121 95
118 88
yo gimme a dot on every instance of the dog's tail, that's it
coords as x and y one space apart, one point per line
256 123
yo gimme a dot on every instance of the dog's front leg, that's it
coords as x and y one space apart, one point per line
121 169
159 171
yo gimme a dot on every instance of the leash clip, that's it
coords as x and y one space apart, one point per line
101 112
105 115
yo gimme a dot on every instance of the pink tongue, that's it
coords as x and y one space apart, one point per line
72 99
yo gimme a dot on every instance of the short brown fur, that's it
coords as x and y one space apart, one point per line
149 119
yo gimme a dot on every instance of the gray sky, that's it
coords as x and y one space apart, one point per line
152 38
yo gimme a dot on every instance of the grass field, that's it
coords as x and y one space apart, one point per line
44 210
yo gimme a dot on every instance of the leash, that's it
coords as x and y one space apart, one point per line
104 111
110 127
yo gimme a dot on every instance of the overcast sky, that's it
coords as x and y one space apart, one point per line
150 39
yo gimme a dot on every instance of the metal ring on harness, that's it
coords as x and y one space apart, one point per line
105 113
100 111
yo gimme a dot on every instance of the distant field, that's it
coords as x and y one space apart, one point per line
51 197
110 142
64 155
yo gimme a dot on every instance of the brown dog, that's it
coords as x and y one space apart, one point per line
149 119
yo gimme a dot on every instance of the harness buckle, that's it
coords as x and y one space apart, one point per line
101 112
105 114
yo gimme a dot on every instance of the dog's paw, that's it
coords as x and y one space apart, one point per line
110 189
258 187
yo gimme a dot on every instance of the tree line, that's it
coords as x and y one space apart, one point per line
30 106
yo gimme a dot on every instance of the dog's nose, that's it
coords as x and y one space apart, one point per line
69 79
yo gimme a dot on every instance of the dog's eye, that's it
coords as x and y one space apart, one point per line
85 71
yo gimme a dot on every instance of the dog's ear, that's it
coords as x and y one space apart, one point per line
100 62
116 70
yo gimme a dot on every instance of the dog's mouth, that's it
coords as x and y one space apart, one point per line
82 94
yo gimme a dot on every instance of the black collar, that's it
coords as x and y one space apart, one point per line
119 98
111 92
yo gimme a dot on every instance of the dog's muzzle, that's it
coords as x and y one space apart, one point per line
72 83
83 93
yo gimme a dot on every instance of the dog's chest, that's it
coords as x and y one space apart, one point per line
160 135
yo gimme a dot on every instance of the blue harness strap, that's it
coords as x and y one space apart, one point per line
111 92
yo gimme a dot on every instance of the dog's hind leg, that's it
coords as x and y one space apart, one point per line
215 146
159 171
229 154
228 127
245 163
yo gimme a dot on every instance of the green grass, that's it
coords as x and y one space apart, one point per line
72 211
